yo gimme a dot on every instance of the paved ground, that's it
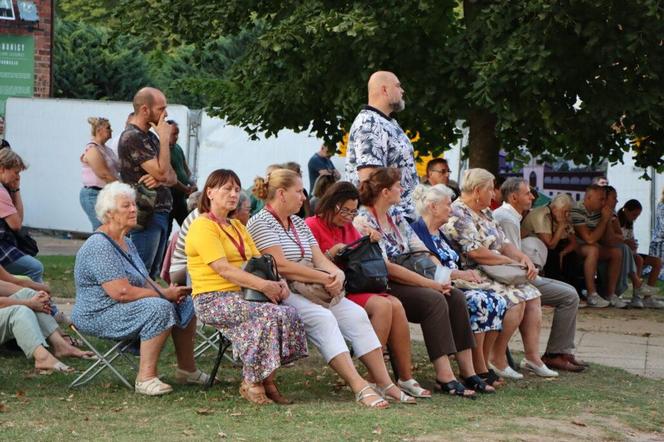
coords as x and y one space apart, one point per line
629 339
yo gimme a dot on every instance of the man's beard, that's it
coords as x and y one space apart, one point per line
398 106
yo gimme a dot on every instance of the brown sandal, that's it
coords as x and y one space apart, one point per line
272 392
254 394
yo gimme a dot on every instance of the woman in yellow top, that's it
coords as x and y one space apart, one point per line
265 335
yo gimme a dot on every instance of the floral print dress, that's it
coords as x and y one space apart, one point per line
657 240
468 230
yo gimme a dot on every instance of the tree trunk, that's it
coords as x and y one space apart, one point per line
483 145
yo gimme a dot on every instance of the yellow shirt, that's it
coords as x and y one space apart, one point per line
206 243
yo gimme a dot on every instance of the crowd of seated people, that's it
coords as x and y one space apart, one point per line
472 265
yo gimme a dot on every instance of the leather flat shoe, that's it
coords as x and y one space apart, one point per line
570 357
559 362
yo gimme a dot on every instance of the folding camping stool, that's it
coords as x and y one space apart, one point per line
221 343
104 361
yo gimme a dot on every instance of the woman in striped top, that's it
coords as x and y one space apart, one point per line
277 231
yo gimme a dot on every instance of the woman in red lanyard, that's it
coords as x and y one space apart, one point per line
265 335
440 309
278 231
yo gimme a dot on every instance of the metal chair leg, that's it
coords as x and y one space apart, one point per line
223 345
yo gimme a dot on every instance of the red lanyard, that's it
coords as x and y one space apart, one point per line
389 220
291 228
238 245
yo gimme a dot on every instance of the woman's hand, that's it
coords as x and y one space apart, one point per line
531 270
176 293
276 291
441 287
336 283
40 302
561 217
374 235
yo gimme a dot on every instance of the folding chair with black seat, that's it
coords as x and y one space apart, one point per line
105 360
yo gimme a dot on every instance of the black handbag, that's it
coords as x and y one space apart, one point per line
264 267
21 238
364 267
418 262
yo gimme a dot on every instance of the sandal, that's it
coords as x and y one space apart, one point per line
58 367
152 387
191 377
455 388
254 394
414 389
74 342
476 383
368 392
491 378
272 392
403 397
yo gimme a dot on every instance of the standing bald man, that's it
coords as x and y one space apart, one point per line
145 158
376 139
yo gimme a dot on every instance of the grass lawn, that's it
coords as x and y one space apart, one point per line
601 404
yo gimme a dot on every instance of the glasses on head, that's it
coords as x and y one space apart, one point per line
347 212
441 171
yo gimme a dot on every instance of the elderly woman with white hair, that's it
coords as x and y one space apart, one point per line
480 241
552 225
115 299
485 307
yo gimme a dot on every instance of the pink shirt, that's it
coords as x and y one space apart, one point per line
88 176
328 235
6 204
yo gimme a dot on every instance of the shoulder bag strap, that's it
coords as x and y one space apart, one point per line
128 258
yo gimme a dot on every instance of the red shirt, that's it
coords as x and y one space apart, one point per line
329 235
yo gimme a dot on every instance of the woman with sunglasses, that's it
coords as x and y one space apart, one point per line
332 227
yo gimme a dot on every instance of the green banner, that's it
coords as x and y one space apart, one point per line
17 68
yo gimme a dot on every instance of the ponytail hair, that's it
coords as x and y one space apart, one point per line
381 178
97 122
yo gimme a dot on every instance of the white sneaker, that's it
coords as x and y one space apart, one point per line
507 373
651 302
595 301
636 301
543 371
616 302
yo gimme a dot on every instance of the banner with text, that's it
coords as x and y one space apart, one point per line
17 68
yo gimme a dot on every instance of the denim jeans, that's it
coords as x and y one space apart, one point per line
88 199
28 266
151 242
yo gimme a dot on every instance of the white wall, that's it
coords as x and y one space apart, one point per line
229 147
50 135
625 178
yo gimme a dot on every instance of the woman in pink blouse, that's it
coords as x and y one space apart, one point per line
99 167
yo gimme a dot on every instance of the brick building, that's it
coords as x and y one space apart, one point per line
28 21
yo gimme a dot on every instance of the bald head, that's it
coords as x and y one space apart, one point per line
149 103
385 92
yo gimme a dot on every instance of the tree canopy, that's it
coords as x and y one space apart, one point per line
574 79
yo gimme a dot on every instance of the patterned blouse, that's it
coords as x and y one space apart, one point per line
399 238
468 231
376 140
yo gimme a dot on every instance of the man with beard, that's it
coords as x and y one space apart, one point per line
376 139
145 164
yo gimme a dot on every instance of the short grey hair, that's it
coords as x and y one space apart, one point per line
474 178
511 186
424 195
192 200
562 200
107 198
244 196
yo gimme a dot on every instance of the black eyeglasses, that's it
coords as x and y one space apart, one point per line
346 212
441 171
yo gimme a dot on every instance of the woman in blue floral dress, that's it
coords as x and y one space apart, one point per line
485 306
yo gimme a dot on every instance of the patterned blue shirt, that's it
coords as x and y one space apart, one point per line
375 140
